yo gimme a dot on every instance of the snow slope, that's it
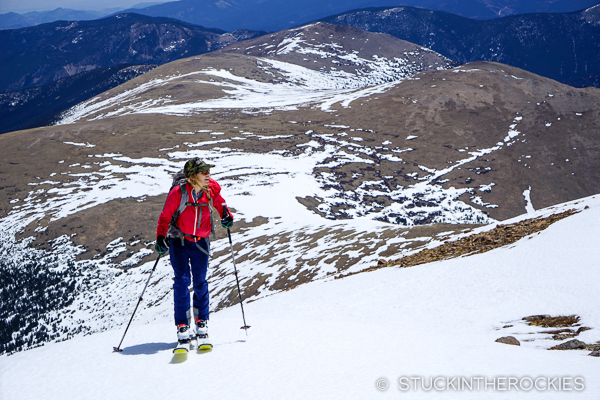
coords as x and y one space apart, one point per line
303 87
338 338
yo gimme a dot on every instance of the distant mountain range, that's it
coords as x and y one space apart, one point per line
564 47
48 68
14 20
488 9
45 53
33 107
274 15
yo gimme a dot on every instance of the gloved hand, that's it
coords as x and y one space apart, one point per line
162 244
227 220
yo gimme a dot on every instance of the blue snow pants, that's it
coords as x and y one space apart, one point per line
188 257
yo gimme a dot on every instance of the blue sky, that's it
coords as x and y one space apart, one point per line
21 6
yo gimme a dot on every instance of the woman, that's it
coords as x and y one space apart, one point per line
184 226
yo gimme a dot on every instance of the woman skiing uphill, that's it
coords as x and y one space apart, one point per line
184 226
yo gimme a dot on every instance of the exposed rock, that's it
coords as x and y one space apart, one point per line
533 318
509 340
507 326
558 331
593 347
500 236
547 321
595 353
570 345
564 336
583 329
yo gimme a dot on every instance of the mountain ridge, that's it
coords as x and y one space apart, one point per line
276 15
72 47
564 47
46 102
259 15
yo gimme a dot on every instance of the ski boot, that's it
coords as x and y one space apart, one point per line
183 339
202 335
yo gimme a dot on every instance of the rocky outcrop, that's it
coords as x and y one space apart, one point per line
509 340
500 236
570 345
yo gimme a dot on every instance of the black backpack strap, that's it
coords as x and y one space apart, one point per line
212 225
210 210
173 228
182 203
207 246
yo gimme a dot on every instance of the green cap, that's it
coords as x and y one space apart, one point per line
194 166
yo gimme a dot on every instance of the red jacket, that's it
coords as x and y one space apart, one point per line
188 220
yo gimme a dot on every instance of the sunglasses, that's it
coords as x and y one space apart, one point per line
205 173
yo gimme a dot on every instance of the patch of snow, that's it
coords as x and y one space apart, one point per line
337 126
80 144
486 188
297 87
528 204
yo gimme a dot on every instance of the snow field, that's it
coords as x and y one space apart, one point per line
336 338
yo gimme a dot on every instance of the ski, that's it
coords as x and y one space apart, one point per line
180 351
182 347
205 348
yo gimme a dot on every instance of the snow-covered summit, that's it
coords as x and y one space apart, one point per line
317 65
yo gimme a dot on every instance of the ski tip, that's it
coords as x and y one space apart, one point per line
205 348
180 351
117 350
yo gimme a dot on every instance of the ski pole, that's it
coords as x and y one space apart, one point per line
245 327
118 348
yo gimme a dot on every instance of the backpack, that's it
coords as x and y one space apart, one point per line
180 180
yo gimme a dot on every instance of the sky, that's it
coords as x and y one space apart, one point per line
21 6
